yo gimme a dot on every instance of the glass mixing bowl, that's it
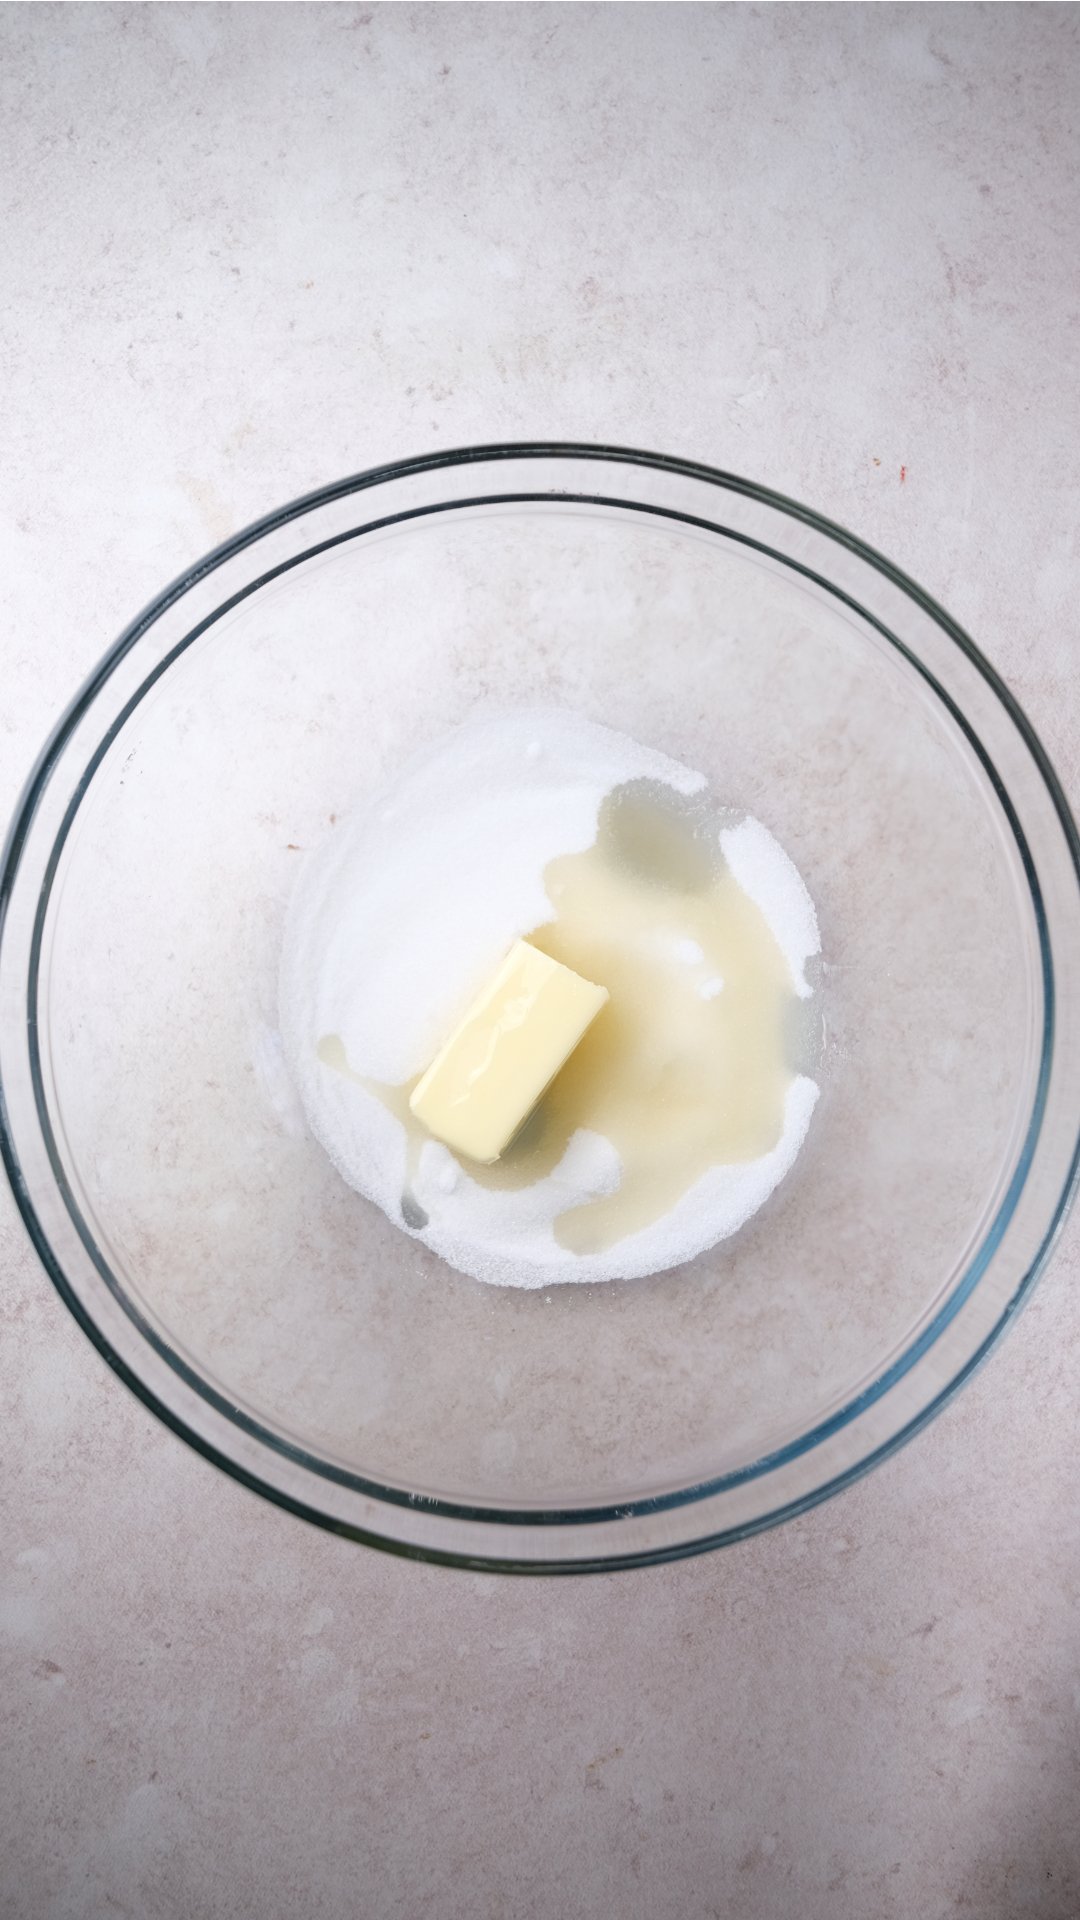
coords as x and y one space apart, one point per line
274 1318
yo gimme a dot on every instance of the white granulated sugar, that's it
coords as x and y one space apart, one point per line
764 871
402 916
405 912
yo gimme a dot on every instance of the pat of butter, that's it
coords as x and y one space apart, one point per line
507 1050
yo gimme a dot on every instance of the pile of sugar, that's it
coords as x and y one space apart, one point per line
404 913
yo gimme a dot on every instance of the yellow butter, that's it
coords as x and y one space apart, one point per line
507 1050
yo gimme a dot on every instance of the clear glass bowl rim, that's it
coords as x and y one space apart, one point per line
22 822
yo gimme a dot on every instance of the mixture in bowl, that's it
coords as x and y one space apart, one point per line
538 891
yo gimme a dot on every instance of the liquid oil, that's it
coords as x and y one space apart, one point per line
687 1066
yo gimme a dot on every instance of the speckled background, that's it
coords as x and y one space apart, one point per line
246 250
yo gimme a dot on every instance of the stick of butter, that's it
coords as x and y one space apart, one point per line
506 1052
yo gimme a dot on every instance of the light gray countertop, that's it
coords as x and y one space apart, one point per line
250 249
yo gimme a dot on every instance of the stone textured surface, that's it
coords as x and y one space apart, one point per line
248 249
